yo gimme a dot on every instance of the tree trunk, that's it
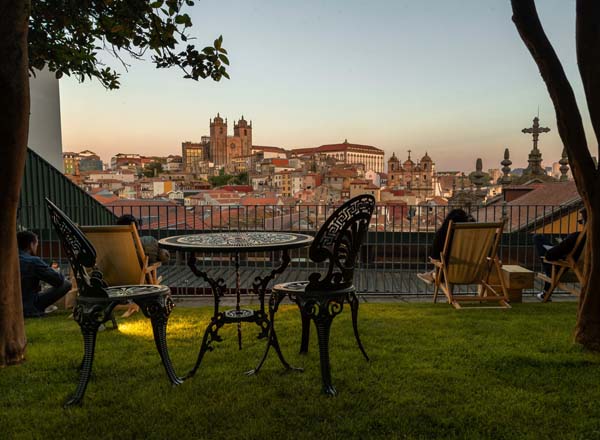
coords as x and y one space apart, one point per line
587 331
572 134
14 128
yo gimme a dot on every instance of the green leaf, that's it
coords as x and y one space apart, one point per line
224 59
156 4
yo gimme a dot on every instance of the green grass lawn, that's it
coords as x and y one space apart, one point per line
434 373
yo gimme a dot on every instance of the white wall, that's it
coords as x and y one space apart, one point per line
45 136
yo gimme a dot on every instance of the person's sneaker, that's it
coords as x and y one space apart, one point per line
50 309
541 296
426 277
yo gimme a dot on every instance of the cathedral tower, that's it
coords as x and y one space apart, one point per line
243 131
218 140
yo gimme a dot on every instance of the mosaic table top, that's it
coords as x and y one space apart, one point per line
236 241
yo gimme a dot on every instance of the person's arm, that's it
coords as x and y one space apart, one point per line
562 249
45 273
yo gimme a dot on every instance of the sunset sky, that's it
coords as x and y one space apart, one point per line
450 77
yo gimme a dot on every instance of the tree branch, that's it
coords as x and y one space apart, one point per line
588 56
568 117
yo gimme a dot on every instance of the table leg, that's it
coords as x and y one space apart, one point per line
274 301
217 286
158 310
89 317
259 287
211 334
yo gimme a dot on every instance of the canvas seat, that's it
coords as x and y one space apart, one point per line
470 257
120 257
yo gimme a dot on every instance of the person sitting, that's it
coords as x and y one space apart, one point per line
149 243
545 248
34 270
439 239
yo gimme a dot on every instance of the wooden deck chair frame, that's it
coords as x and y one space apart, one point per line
489 263
561 267
147 272
141 273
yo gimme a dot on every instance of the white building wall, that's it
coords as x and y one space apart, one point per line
45 136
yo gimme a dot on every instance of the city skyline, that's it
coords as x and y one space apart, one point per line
454 80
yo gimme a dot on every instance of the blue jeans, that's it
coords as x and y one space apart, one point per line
46 298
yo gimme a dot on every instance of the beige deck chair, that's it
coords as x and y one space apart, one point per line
469 258
567 271
120 257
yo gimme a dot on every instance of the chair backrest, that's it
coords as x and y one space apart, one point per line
467 248
339 241
119 253
80 252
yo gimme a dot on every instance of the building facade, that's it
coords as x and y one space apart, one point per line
125 160
194 153
370 157
419 178
224 148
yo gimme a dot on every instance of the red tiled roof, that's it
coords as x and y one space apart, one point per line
262 201
141 203
238 188
344 146
267 148
341 172
396 192
105 200
280 162
532 207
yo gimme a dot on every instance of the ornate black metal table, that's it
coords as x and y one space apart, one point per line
236 243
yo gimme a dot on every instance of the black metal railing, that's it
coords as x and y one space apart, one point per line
395 250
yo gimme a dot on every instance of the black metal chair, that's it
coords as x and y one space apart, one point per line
96 301
322 297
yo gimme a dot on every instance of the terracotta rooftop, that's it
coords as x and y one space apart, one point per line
238 188
532 207
341 172
267 148
280 162
344 146
259 201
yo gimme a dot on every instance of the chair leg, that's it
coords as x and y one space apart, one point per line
354 303
158 310
89 330
305 332
323 324
436 289
115 326
555 280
